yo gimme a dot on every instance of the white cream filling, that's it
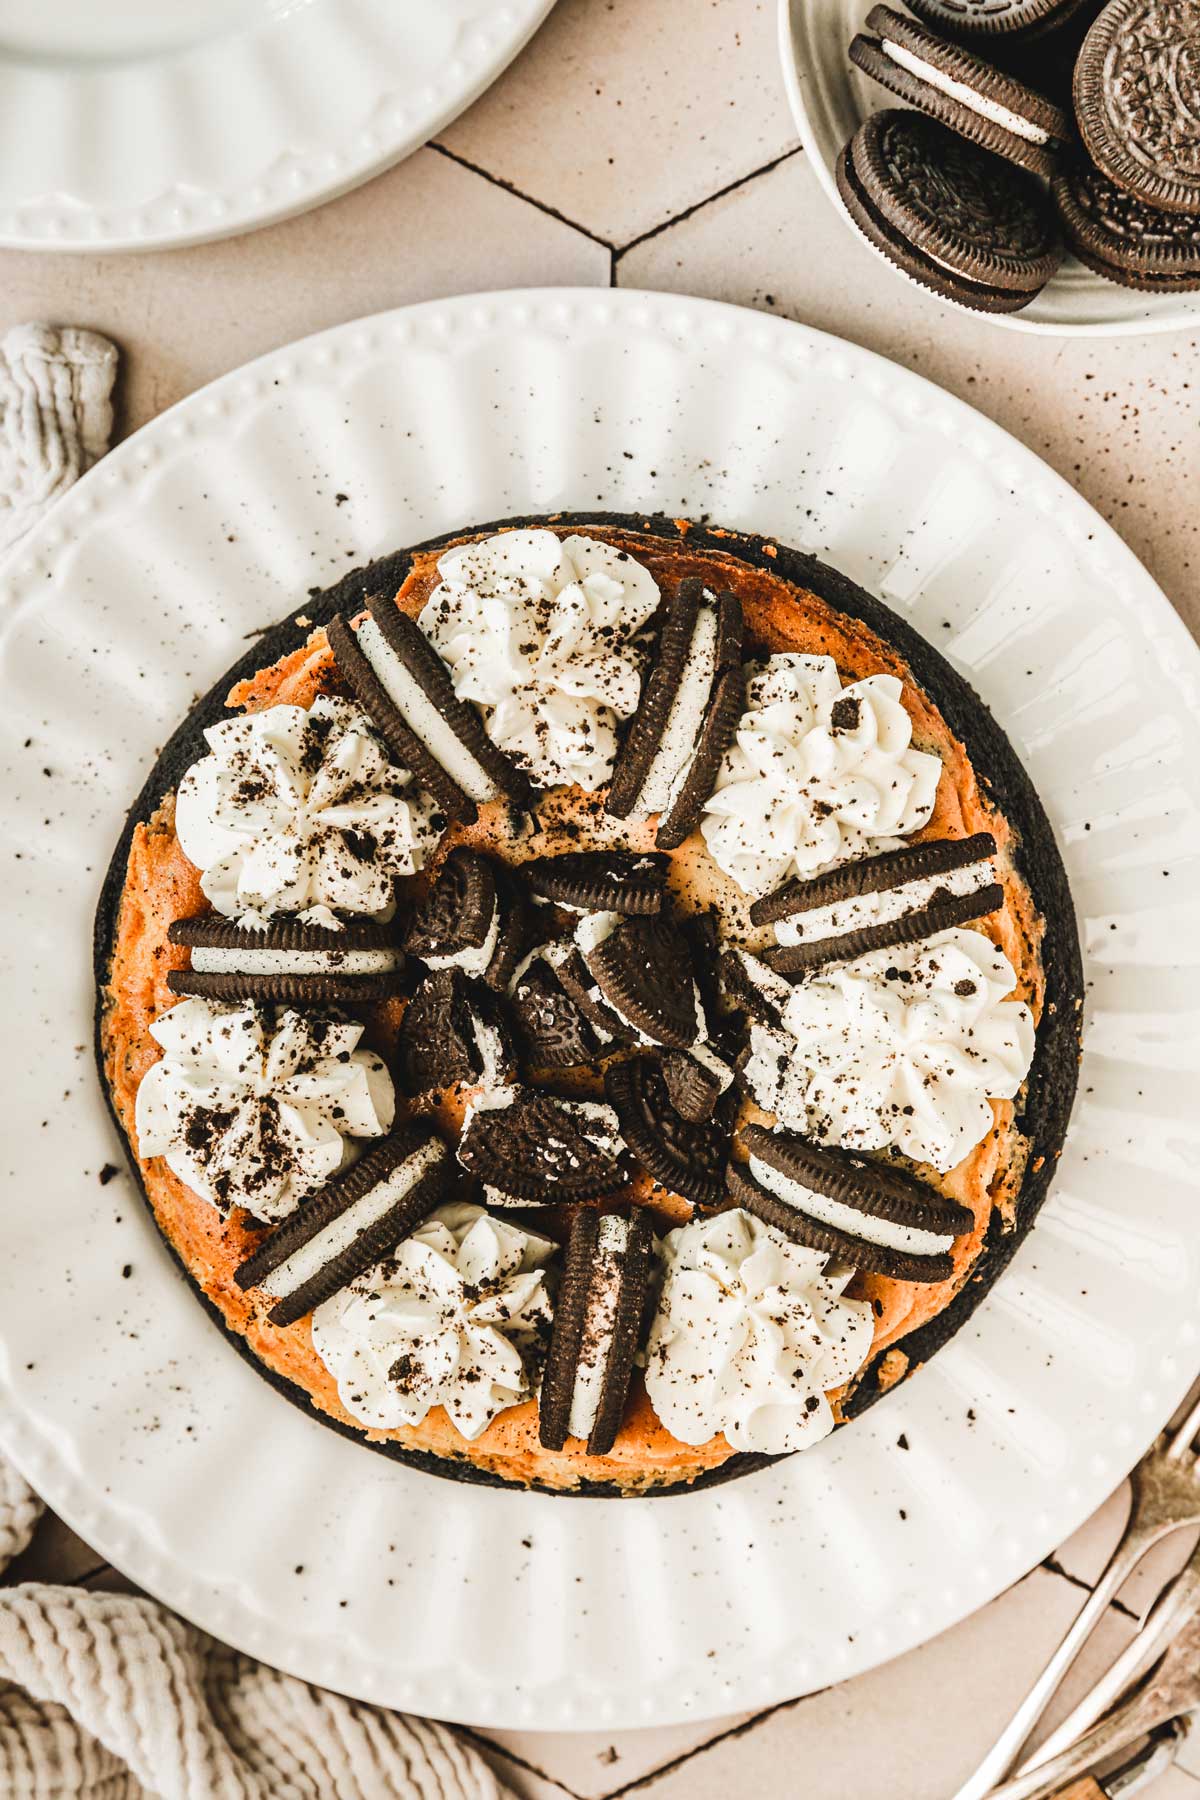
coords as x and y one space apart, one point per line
209 961
684 719
593 928
410 699
703 1053
884 1233
860 910
310 1258
598 1321
475 958
969 96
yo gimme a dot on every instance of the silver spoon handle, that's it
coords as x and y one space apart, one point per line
1142 1714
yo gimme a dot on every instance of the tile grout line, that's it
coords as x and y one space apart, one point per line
510 187
484 1742
642 1782
731 187
1052 1566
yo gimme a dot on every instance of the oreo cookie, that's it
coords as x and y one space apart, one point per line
356 1219
552 1030
725 708
453 1031
1137 100
966 93
870 1214
686 1157
620 881
699 644
956 218
693 1088
643 969
1007 21
474 918
602 1300
286 961
405 746
896 898
1121 237
583 988
525 1145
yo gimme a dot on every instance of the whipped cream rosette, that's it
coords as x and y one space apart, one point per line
256 1106
538 631
458 1317
751 1334
301 812
817 773
905 1046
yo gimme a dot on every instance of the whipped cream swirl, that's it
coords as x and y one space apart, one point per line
751 1334
458 1317
903 1046
256 1106
302 814
818 774
537 630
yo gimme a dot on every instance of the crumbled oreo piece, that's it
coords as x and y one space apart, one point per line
356 1219
453 1030
458 912
552 1031
620 881
692 1088
404 744
868 1213
287 961
581 985
644 970
513 934
602 1300
685 1157
536 1147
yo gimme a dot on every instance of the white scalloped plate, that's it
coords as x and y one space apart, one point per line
830 98
129 124
136 1418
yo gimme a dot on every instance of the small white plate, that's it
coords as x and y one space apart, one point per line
133 124
830 98
137 1419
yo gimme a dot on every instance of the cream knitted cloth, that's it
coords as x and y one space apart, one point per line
107 1696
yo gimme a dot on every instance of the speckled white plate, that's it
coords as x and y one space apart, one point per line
134 1415
830 98
127 124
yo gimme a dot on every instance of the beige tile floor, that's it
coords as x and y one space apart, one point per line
647 143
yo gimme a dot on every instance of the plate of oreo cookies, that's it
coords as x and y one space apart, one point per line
1036 161
558 1047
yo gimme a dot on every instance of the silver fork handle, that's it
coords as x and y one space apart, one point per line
1170 1612
1004 1751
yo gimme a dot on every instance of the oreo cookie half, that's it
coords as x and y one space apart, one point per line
357 1218
286 961
453 1031
867 1213
582 987
553 1032
956 218
699 645
597 1328
693 1088
474 918
962 90
684 1156
643 968
525 1145
405 745
620 881
896 898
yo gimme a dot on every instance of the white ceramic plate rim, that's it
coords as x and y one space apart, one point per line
1167 314
600 1693
381 126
